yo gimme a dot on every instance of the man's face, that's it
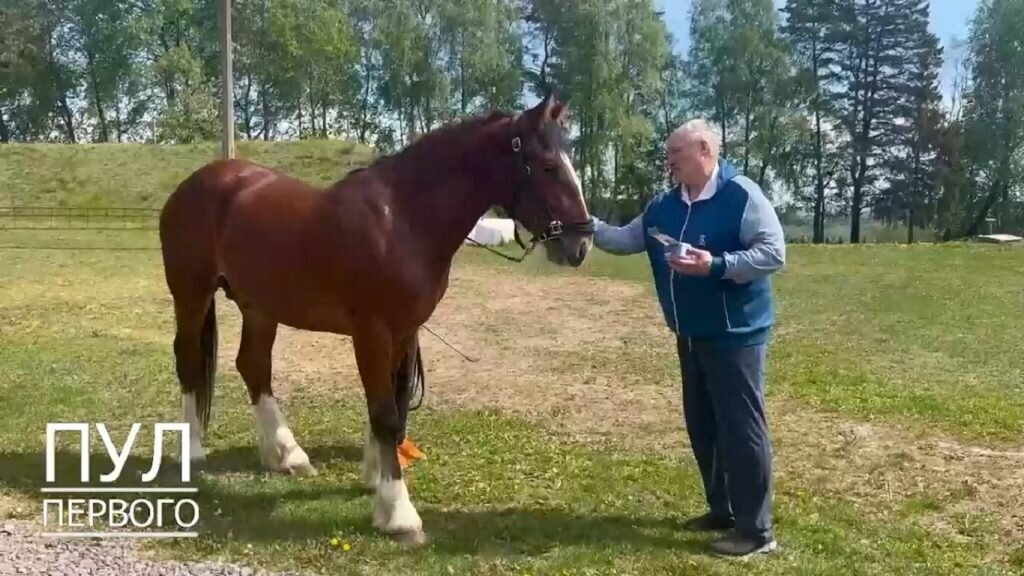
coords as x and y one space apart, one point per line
687 157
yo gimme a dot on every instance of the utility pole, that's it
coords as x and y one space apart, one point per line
227 110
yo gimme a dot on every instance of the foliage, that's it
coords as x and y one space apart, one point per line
833 106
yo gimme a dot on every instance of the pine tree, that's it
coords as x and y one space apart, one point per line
912 136
811 31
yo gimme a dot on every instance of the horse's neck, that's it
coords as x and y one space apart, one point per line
451 198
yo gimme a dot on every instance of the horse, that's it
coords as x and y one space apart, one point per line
367 257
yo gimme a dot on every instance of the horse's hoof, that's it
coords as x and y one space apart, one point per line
303 470
412 539
297 463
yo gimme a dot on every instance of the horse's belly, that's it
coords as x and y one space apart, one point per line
303 310
285 290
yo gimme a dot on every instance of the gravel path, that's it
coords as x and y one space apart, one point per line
24 552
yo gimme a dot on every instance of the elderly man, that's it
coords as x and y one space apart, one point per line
716 298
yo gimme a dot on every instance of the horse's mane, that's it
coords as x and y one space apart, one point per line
440 138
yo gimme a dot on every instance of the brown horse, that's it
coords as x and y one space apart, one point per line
368 257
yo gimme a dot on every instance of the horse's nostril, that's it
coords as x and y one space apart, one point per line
583 251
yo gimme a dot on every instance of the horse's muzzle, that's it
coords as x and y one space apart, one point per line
576 249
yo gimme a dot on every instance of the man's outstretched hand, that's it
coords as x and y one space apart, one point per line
695 262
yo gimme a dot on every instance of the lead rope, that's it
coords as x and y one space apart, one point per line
555 229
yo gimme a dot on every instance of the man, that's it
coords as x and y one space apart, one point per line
716 297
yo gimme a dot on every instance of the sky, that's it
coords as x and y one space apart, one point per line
950 19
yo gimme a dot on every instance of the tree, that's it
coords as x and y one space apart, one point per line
812 31
912 139
994 114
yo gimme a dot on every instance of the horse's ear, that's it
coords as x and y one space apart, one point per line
536 117
555 112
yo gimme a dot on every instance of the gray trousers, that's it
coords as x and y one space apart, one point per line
723 406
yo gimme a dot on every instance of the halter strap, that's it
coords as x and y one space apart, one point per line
554 229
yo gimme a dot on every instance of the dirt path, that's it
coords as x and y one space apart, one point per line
570 353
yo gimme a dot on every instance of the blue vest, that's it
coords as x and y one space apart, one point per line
704 307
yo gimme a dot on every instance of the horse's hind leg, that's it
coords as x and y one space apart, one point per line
195 358
277 447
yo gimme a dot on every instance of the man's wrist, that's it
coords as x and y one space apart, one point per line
717 267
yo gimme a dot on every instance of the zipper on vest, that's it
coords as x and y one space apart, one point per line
672 272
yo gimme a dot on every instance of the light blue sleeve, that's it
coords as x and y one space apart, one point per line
761 233
620 240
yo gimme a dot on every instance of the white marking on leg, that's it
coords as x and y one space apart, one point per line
575 179
278 449
370 468
393 511
190 415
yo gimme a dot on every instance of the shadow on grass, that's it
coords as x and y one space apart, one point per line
246 458
272 509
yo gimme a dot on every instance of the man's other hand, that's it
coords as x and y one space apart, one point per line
694 262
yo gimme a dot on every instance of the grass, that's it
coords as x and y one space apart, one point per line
136 175
84 337
923 335
922 338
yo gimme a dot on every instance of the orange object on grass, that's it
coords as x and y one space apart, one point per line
408 451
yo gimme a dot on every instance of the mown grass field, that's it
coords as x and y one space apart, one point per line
896 397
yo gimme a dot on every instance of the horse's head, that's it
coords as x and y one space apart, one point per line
547 197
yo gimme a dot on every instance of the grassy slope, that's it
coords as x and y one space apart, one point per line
515 500
142 175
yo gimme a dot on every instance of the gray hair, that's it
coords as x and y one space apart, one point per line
700 129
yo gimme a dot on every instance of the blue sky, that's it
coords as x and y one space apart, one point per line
950 19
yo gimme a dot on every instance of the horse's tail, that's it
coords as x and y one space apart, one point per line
208 344
419 376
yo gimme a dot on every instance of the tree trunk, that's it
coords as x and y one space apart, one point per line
721 115
999 188
364 103
312 112
91 61
819 182
746 137
462 73
247 114
68 118
5 133
267 120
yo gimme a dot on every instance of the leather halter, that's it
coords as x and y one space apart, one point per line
524 180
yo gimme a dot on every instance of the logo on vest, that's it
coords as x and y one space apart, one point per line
701 240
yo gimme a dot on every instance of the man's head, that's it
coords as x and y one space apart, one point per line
692 152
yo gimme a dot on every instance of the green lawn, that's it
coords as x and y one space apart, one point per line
925 335
923 338
84 336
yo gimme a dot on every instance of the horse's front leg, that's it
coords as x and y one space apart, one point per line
375 357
